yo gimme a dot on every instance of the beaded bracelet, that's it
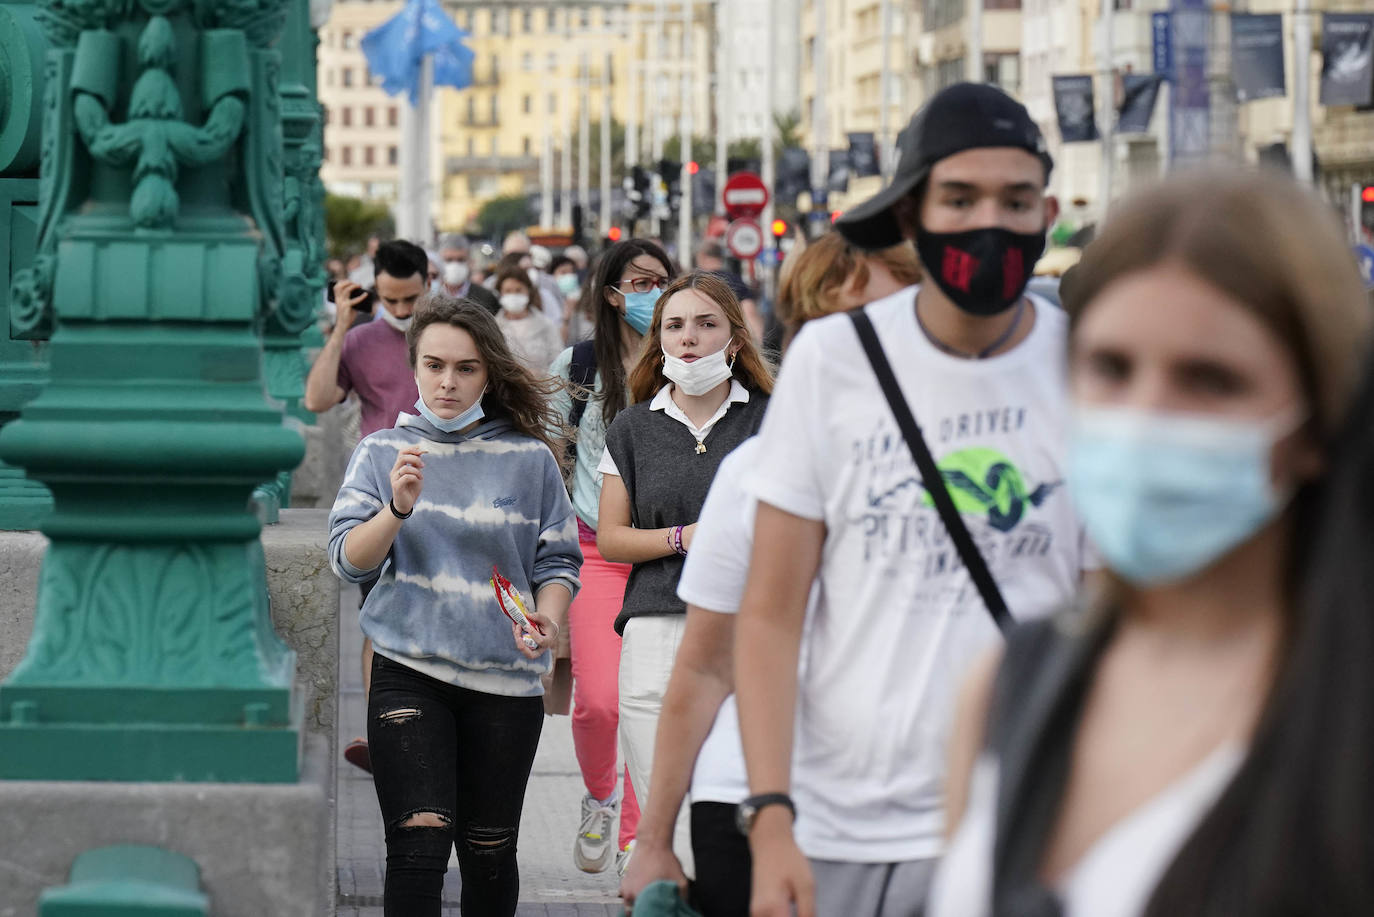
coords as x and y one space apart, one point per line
677 541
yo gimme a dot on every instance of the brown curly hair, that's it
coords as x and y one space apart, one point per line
513 392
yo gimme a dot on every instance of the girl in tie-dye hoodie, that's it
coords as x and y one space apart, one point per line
434 504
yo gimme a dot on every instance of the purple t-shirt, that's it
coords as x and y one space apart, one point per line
376 364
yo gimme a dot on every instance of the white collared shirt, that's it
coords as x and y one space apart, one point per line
663 401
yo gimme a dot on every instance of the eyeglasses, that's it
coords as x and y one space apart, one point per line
642 284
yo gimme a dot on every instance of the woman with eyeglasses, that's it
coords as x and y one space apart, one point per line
699 390
625 283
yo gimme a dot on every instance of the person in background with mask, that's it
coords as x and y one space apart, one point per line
625 283
531 335
371 361
697 749
455 268
432 508
578 256
541 262
897 618
1194 739
699 389
577 326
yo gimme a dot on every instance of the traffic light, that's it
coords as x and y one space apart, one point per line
614 234
779 228
670 173
1367 207
693 168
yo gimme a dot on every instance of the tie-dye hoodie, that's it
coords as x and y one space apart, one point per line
493 497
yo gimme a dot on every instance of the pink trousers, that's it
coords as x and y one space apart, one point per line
596 675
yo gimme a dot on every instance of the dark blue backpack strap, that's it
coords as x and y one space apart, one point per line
582 375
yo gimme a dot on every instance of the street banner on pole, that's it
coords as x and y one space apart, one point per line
1347 59
1138 106
794 174
1257 56
1073 102
863 155
1162 44
1190 102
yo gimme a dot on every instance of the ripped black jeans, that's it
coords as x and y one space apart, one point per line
465 757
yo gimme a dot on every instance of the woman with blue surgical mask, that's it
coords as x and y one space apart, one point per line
625 283
699 390
1195 738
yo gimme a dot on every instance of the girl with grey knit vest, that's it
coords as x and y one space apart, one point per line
435 508
699 390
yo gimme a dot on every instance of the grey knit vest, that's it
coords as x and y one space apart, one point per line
667 480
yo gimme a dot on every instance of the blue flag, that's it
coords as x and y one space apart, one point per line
395 49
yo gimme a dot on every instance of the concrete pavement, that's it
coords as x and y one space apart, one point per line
550 886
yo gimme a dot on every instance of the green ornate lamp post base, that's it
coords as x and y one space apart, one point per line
24 504
152 662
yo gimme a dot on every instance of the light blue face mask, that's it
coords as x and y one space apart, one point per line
639 309
1164 496
472 414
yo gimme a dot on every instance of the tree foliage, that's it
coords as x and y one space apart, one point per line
349 221
501 215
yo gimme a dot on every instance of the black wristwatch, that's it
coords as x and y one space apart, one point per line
746 812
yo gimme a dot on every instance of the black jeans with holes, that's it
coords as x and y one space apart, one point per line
461 755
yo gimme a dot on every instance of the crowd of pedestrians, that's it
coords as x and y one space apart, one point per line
981 605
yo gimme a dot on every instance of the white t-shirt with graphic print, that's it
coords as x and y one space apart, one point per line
897 621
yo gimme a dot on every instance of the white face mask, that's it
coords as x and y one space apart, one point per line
515 303
400 324
700 377
455 273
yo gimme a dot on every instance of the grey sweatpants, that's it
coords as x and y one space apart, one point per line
872 889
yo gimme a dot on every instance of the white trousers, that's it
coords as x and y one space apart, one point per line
647 650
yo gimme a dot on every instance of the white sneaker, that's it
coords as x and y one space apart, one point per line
596 836
622 859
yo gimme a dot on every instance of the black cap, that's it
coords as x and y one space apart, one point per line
965 116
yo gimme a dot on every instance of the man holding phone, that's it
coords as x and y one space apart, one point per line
371 359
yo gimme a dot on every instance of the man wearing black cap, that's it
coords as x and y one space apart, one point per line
896 618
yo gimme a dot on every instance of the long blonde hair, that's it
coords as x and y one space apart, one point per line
750 368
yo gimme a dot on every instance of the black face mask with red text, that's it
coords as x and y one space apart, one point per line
982 271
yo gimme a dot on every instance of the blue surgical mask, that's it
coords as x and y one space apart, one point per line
473 413
639 309
1164 496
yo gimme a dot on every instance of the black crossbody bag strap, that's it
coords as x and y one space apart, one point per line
930 473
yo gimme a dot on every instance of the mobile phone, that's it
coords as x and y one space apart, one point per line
368 302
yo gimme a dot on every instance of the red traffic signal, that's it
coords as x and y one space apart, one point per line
779 228
614 234
1367 194
693 168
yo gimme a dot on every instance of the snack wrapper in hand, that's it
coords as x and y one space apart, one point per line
513 606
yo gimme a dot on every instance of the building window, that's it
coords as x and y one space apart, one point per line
551 19
367 156
392 156
348 76
948 72
527 21
493 145
1009 4
500 23
495 68
553 61
527 62
324 114
1003 70
326 154
346 155
494 109
525 146
528 105
393 116
553 103
347 39
346 117
472 147
940 13
584 17
472 110
369 117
